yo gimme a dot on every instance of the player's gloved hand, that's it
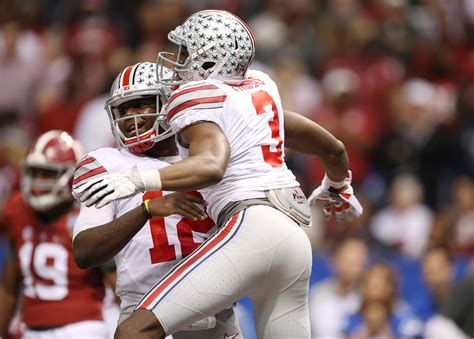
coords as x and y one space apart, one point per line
115 186
337 198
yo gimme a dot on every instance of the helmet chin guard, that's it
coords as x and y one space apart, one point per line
133 83
142 143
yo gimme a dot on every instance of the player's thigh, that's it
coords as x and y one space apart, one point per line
201 285
232 263
281 306
284 316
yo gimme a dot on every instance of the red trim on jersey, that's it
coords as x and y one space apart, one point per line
195 102
191 89
345 195
85 162
89 174
126 75
189 261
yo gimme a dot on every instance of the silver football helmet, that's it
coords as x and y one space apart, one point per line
211 44
57 154
136 82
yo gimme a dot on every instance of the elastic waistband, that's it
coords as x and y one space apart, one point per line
236 206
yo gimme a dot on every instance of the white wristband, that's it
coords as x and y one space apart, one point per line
335 184
151 180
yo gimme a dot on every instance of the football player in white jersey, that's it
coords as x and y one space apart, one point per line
231 132
145 232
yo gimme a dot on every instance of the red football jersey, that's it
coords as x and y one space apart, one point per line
55 291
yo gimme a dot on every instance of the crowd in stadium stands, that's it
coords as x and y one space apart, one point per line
392 79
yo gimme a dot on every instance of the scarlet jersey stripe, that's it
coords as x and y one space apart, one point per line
85 162
194 102
191 89
89 174
345 195
186 266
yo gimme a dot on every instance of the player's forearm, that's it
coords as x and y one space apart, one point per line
306 136
95 246
192 173
209 153
336 165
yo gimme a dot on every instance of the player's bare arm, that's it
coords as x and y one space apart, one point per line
9 289
306 136
209 153
335 193
95 246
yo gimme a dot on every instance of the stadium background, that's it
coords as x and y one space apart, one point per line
392 79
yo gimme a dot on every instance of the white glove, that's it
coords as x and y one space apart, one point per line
108 188
337 197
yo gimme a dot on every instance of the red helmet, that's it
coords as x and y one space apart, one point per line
48 170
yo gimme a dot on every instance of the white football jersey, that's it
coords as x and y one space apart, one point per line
251 117
158 246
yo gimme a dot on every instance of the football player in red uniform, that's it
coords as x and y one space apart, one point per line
58 299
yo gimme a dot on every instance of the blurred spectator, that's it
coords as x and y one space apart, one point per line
62 113
279 28
417 143
438 276
93 127
342 27
14 143
395 30
271 30
464 151
332 300
56 71
406 222
376 322
450 311
348 118
300 92
454 226
156 18
382 311
90 41
20 62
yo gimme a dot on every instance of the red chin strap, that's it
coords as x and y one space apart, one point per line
144 144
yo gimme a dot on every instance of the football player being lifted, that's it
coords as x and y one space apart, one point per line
232 131
59 299
149 232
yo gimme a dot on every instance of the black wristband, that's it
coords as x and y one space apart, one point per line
145 210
